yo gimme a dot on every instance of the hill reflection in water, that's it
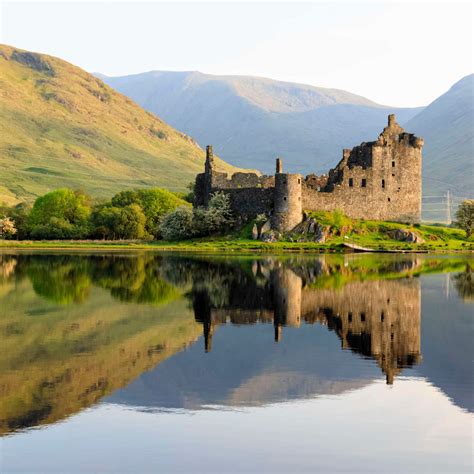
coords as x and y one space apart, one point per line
123 328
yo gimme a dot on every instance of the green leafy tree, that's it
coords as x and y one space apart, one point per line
155 203
131 223
104 219
60 214
465 217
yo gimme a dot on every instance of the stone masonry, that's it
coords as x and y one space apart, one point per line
379 180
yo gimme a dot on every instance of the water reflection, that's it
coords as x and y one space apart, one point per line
464 283
378 319
82 328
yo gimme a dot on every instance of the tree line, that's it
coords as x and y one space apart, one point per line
149 214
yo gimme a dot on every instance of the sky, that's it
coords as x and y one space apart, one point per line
396 53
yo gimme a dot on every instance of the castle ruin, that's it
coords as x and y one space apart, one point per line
379 180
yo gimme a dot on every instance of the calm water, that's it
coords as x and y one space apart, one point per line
143 362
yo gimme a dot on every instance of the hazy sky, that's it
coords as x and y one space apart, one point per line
396 53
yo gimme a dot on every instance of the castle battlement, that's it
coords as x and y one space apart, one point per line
378 180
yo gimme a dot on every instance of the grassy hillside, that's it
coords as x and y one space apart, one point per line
447 125
60 126
252 120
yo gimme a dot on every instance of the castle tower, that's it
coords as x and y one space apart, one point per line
279 166
209 171
287 205
209 166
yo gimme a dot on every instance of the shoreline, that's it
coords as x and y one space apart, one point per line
225 246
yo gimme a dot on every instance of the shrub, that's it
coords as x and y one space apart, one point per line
177 224
216 218
7 228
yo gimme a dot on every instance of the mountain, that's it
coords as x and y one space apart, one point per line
252 120
447 125
60 126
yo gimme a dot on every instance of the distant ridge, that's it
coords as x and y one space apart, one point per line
251 120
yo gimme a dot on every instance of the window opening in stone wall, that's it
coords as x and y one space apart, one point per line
349 317
351 182
299 181
363 183
383 183
393 175
284 199
388 199
393 164
382 317
362 317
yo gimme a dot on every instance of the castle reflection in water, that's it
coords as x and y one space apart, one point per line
378 319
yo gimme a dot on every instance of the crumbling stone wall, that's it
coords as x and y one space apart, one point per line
379 180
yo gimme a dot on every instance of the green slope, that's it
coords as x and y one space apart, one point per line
60 126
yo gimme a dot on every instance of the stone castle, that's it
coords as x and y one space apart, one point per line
379 180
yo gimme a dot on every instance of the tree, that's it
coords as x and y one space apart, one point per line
60 214
465 217
104 219
20 214
130 223
7 228
155 203
177 224
216 218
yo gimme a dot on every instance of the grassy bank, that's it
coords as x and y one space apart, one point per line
370 234
232 245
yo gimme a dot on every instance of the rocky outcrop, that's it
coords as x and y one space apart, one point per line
311 230
33 61
405 235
